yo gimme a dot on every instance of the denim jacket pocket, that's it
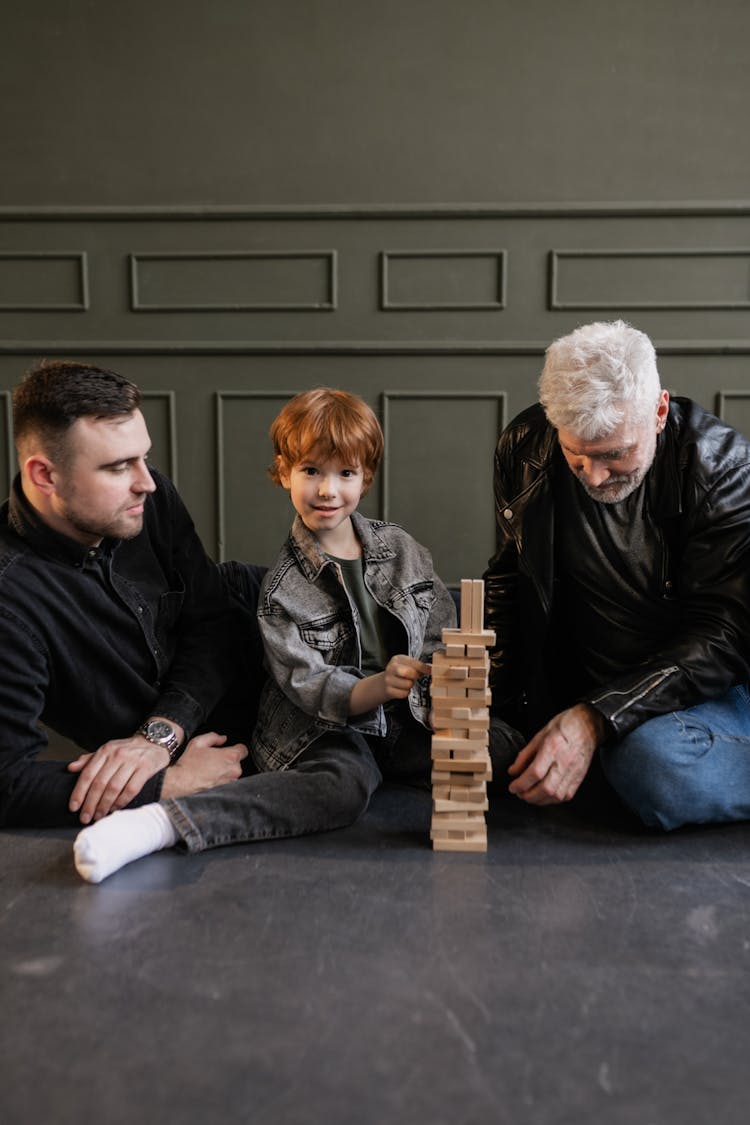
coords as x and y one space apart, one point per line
414 605
330 636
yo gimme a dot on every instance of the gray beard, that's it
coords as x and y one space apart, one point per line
615 490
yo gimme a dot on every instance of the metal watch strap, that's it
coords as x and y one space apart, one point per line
171 744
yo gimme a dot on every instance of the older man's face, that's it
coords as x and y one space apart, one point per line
612 467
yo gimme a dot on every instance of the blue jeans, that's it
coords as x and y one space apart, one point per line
686 767
329 786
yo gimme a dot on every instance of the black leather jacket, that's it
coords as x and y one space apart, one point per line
698 496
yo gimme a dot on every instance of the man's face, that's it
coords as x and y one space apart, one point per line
611 468
101 491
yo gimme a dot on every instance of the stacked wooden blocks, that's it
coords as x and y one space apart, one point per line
461 720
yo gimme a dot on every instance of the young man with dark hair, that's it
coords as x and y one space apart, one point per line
116 629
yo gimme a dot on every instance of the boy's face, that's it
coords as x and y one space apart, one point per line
324 492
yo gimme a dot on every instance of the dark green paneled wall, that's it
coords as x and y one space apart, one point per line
232 202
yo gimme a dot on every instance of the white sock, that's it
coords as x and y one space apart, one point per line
120 838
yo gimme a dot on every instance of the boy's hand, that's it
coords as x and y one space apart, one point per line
395 682
400 675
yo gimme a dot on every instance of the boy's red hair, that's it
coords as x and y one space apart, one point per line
330 424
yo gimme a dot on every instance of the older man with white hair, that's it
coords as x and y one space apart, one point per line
620 588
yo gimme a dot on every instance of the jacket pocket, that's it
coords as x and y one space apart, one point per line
330 636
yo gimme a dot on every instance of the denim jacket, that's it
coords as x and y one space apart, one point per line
310 631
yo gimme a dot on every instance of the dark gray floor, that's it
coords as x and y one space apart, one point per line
579 972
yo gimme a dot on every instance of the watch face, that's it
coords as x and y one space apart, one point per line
160 731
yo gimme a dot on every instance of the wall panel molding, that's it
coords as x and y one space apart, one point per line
494 299
222 399
682 258
591 209
77 302
139 265
169 400
390 398
334 347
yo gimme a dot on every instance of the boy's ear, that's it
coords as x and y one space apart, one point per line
283 471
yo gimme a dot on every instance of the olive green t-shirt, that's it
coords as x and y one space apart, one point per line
372 617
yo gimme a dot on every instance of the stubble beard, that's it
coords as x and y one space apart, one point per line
614 490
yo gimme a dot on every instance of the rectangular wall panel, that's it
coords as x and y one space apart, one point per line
442 279
437 482
160 413
43 281
194 281
650 279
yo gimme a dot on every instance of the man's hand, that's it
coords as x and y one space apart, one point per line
113 775
551 767
204 763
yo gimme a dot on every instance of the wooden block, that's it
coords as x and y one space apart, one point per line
439 804
477 605
456 672
459 845
484 637
452 690
441 662
442 741
457 821
459 833
454 766
476 828
466 603
453 650
477 695
452 710
468 781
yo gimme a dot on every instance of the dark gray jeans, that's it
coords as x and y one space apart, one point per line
329 786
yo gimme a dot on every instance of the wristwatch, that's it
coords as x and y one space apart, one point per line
161 734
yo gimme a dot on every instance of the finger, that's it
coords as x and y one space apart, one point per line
88 775
110 788
523 758
78 763
536 771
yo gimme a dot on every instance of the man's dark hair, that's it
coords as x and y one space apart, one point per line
52 396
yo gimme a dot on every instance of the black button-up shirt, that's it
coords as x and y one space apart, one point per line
95 640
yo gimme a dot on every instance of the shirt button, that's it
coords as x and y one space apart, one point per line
508 513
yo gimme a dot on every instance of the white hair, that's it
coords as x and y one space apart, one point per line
598 377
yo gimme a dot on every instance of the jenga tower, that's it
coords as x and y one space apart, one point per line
461 718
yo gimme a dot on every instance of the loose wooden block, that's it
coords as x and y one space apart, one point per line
455 650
